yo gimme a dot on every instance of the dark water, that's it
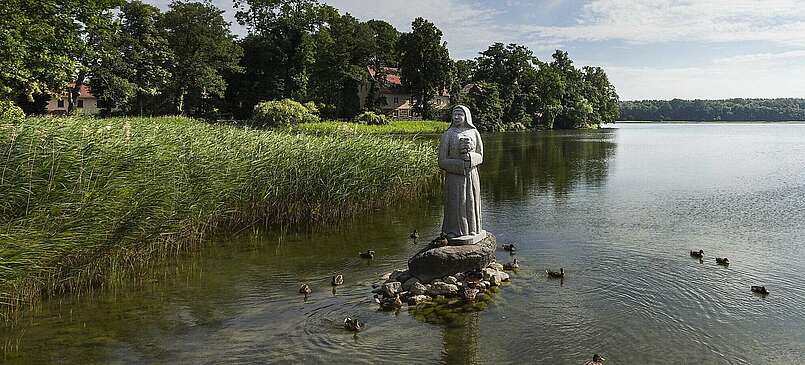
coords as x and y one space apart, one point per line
617 208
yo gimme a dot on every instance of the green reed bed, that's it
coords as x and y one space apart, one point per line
83 198
395 127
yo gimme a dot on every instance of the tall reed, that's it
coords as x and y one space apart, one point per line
82 197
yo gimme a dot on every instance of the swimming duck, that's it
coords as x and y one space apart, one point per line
389 303
760 290
353 324
338 280
554 274
414 235
722 261
305 289
597 360
697 254
509 247
511 265
369 254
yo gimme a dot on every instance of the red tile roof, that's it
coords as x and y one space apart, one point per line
84 92
392 75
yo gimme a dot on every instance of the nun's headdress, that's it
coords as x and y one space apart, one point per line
467 116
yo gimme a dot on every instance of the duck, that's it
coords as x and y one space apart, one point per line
353 324
509 247
338 280
760 290
511 265
554 274
369 254
414 235
722 261
389 303
440 241
697 254
597 360
305 289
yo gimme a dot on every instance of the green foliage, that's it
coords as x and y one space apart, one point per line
278 113
44 43
138 67
372 118
204 50
484 102
82 196
10 113
709 110
425 65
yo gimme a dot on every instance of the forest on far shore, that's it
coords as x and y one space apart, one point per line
784 109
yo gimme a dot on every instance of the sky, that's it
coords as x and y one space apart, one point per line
651 49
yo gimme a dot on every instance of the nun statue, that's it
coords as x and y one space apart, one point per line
460 153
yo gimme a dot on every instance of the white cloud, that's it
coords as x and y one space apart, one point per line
647 21
468 27
762 75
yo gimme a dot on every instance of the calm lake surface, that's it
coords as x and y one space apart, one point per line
618 208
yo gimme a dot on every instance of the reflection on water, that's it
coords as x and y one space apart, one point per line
619 209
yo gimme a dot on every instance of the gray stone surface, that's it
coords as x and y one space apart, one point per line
418 289
408 284
430 264
461 150
443 289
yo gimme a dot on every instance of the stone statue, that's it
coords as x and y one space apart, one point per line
460 152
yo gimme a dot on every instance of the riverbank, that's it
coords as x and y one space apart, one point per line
395 127
83 198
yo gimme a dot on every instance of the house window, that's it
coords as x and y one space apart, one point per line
396 113
404 113
396 100
81 103
60 103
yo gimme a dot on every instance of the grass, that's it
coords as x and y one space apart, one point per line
395 127
83 198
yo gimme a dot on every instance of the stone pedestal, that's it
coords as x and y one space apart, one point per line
467 240
439 262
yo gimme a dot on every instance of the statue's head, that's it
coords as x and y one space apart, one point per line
461 117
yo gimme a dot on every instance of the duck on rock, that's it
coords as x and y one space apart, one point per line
369 254
723 261
389 303
697 254
554 274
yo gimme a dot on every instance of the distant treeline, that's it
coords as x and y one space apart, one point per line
139 60
730 109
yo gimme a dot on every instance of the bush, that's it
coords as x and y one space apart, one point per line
280 113
372 118
313 108
10 112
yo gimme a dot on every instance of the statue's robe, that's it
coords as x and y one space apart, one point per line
462 188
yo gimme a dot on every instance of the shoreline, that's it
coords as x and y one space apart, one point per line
89 196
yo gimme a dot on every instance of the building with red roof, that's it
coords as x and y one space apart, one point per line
87 103
399 102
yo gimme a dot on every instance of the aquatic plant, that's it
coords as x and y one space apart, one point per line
83 198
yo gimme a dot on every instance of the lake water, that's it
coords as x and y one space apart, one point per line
618 208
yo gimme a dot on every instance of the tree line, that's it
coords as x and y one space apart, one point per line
785 109
139 60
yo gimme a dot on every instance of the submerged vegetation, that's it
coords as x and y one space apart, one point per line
84 196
